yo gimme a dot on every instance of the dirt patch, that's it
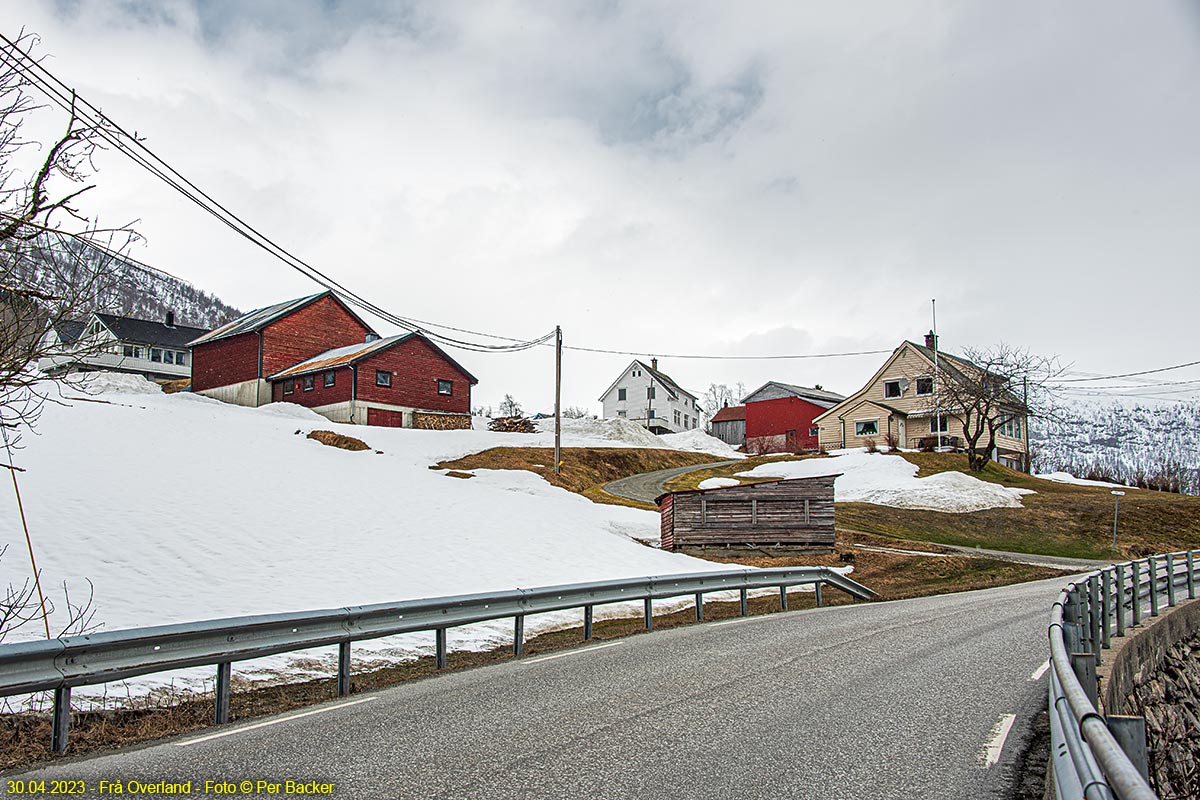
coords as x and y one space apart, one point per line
339 440
171 387
456 474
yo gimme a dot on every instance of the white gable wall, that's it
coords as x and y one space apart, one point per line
634 383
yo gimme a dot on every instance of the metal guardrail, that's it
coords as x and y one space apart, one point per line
1103 757
60 664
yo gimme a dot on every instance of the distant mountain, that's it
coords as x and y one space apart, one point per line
135 290
1123 441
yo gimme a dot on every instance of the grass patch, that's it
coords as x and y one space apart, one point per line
338 440
585 470
25 737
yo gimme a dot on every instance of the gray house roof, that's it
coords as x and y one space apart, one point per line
151 332
661 377
774 389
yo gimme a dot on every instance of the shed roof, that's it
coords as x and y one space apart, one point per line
354 353
261 317
152 332
730 414
658 500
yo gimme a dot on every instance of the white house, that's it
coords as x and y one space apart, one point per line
653 400
155 350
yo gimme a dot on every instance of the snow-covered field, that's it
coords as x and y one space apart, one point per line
180 508
890 480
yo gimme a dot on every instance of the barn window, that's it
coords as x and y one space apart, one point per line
620 394
891 389
445 387
289 386
924 386
330 378
868 427
308 382
383 377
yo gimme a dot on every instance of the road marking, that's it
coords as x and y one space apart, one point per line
735 621
991 751
288 718
571 653
1040 671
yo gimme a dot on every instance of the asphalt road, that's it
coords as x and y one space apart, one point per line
882 700
647 486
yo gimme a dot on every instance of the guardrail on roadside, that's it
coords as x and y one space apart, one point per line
1099 756
60 664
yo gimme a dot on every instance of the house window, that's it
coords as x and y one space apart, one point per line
814 431
891 389
924 386
383 377
330 378
156 354
181 358
308 381
649 414
868 427
132 351
944 422
1011 427
289 386
620 394
445 387
678 417
620 413
169 356
649 392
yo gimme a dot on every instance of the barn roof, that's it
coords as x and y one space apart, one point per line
658 500
354 353
818 397
730 414
259 318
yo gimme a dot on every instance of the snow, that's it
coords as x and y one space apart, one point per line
1066 477
181 508
700 442
718 483
889 480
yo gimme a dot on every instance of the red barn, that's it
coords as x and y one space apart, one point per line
779 417
401 381
232 363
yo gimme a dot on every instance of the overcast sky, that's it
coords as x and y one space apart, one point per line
704 178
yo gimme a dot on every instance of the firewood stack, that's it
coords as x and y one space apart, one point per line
512 425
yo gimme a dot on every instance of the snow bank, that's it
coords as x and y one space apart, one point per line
589 432
718 483
700 442
1066 477
889 480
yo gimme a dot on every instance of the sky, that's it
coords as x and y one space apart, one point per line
702 178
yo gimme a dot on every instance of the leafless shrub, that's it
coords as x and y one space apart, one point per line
871 445
892 440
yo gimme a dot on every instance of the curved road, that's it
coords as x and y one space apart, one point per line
876 701
645 487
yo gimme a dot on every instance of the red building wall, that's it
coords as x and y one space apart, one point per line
319 395
416 369
225 362
777 417
319 326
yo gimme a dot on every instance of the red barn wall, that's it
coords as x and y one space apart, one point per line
225 362
319 395
777 417
319 326
416 369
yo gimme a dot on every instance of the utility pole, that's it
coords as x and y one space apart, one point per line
1116 508
937 403
557 399
1025 424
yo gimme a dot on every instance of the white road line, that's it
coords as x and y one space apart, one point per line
1040 671
991 751
245 728
570 653
735 621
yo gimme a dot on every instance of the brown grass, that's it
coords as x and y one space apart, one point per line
24 738
339 440
171 387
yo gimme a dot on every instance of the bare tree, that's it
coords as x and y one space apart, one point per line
509 407
57 264
574 412
991 391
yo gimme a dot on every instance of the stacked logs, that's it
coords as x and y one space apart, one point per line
512 425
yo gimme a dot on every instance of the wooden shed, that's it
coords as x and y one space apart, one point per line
794 513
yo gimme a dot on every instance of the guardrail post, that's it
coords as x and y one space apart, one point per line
1135 594
1191 568
224 673
1120 600
1106 602
1130 733
1171 580
1096 612
649 613
587 623
783 598
519 635
343 682
744 609
440 647
699 606
1152 577
1084 666
818 586
61 723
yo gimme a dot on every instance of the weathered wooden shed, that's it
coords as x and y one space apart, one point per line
794 513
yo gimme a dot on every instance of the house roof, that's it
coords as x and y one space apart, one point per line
730 414
818 397
261 317
354 353
663 378
152 332
69 330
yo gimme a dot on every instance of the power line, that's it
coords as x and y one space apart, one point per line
1128 374
724 358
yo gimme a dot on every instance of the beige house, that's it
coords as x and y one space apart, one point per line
900 401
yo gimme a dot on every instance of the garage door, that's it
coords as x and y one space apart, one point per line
387 419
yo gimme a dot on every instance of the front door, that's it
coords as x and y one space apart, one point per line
903 439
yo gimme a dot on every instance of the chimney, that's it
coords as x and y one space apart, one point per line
170 319
931 341
654 364
372 336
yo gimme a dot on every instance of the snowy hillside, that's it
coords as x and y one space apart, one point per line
1122 441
